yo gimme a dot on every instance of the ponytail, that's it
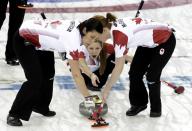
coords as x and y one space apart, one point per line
106 21
110 17
103 59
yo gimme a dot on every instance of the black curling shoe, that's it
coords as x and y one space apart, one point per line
134 110
47 114
13 121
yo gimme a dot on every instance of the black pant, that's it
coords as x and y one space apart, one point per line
149 62
39 70
102 78
16 17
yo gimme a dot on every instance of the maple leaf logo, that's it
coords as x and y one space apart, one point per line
30 37
137 20
119 38
120 51
76 54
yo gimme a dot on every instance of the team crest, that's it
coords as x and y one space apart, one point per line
162 51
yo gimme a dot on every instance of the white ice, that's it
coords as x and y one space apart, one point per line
176 110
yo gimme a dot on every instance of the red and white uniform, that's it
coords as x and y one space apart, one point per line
127 33
57 35
92 63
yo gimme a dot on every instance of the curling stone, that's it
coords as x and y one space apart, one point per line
88 111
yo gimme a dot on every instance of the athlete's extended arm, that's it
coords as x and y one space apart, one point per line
79 80
119 64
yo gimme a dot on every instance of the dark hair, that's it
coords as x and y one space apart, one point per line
106 21
91 24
